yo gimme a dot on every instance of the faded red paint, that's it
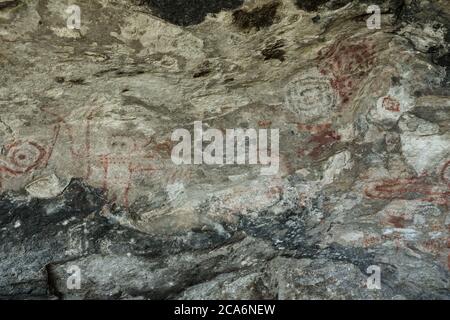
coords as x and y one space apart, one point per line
370 241
22 157
322 141
322 137
448 261
347 63
68 129
118 169
407 189
165 147
274 190
434 246
264 123
419 188
137 164
391 104
20 160
445 173
397 221
314 128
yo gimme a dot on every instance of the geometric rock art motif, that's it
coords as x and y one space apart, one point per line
112 159
311 98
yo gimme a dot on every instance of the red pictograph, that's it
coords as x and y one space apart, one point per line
115 160
322 137
420 188
314 128
391 104
347 63
22 157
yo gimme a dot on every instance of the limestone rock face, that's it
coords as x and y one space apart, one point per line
91 95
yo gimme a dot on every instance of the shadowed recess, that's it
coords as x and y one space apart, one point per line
258 18
189 12
314 5
310 5
8 4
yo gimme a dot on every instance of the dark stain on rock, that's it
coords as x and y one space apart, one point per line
203 70
46 231
310 5
314 5
60 79
286 231
39 229
201 73
398 222
444 60
129 73
260 17
395 81
422 13
77 81
274 51
359 257
78 200
8 4
189 12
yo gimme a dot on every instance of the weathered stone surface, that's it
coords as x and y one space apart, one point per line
87 179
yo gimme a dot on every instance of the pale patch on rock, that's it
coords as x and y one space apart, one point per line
417 126
215 104
336 165
410 207
353 236
407 234
422 146
47 187
390 107
65 32
175 191
19 25
238 177
424 37
155 35
419 219
425 153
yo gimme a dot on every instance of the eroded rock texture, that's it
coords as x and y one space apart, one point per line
87 179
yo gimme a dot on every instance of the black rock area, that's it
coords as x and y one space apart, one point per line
260 17
189 12
310 5
38 236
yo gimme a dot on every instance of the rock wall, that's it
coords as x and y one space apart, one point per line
88 182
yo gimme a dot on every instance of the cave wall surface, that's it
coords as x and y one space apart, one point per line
87 179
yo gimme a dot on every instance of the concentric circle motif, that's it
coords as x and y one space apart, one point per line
310 97
24 156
